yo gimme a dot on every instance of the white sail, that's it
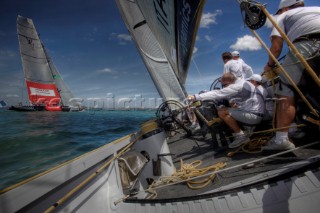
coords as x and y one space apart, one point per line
175 25
65 93
43 81
159 47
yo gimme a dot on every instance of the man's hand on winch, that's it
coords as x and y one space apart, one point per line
191 98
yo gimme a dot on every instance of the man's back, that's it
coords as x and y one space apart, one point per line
299 21
246 69
234 67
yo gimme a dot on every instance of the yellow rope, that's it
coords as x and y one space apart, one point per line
252 147
255 145
188 171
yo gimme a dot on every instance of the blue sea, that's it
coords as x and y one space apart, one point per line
32 142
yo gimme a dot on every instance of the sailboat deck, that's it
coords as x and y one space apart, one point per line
191 149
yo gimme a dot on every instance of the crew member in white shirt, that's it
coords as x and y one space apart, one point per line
247 106
302 26
256 80
246 69
232 66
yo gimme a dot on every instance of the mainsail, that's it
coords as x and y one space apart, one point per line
43 81
164 33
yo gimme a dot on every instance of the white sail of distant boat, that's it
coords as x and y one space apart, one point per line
165 53
44 83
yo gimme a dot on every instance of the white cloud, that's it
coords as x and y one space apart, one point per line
125 37
247 42
209 18
7 53
105 70
122 38
195 49
208 38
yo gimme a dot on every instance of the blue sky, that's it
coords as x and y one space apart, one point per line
90 45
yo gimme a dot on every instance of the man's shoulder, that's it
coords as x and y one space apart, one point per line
248 84
311 8
301 10
233 62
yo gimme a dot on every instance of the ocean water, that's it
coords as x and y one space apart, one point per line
32 142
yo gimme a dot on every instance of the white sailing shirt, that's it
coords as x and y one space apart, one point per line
234 67
243 93
238 68
298 22
246 69
268 101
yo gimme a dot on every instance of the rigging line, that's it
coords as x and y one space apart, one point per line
240 165
197 68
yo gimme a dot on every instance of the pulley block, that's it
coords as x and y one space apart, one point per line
253 16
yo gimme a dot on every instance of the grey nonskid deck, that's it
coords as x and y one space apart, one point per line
190 149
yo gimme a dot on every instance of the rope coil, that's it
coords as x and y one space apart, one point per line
186 172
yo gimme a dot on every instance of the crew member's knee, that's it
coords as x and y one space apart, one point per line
223 112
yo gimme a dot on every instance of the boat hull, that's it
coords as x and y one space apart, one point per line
27 108
65 108
104 192
58 108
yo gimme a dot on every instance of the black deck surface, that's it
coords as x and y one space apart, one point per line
192 148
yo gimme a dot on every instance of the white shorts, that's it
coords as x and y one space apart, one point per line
244 116
294 67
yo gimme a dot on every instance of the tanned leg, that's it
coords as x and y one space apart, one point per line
286 112
232 123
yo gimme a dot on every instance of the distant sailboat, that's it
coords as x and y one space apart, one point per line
46 89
